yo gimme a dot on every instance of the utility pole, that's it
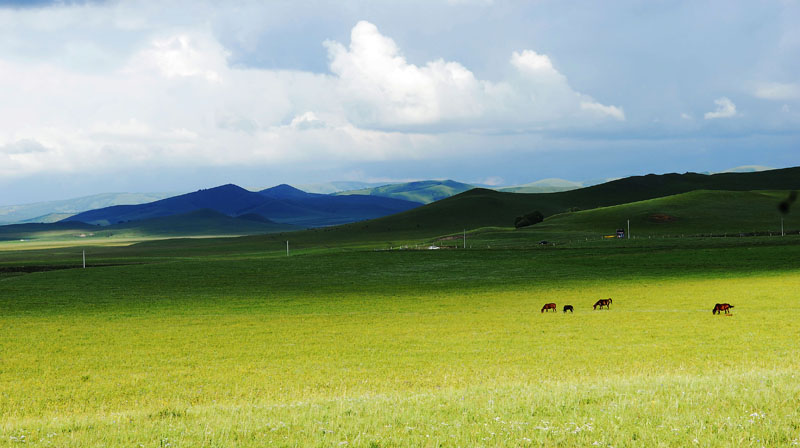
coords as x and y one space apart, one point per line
465 238
629 229
782 234
287 248
84 259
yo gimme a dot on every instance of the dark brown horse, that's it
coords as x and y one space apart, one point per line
602 303
720 307
549 306
568 308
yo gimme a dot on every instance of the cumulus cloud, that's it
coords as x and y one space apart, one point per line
725 109
183 55
380 88
778 91
174 99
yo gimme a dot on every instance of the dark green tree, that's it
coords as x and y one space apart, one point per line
528 219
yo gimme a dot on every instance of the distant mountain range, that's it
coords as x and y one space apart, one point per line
337 186
422 191
53 211
551 185
282 204
231 210
312 213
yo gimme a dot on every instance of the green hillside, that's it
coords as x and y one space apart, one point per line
423 192
698 212
485 208
58 230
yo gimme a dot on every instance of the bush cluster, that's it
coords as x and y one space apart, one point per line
528 219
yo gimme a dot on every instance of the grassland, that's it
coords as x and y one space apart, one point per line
703 212
228 342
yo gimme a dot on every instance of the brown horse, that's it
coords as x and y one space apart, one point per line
549 306
602 303
720 307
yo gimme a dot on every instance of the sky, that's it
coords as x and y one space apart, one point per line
145 96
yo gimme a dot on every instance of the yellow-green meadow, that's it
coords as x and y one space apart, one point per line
406 348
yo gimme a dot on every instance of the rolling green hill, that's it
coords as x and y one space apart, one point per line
697 212
423 192
484 208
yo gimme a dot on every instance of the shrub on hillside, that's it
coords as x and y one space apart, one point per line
528 219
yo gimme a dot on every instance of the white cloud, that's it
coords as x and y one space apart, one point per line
685 116
535 64
725 109
381 89
174 99
611 111
183 55
778 91
307 121
492 181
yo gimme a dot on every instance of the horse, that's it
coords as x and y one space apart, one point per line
568 308
602 303
720 307
549 306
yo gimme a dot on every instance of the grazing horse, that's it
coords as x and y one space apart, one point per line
720 307
602 303
549 306
568 308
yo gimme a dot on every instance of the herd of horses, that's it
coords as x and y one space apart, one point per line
600 303
718 308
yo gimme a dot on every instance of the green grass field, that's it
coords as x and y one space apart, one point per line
227 342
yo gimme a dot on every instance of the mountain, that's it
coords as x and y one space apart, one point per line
201 222
337 186
748 169
228 199
48 218
291 205
283 204
483 208
424 192
551 185
52 211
